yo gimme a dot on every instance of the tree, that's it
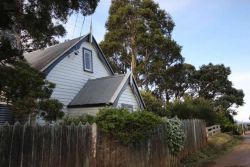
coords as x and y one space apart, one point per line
139 36
22 86
25 26
211 82
191 108
174 82
17 16
53 109
152 103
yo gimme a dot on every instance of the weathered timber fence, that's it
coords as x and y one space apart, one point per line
213 130
47 146
87 146
154 153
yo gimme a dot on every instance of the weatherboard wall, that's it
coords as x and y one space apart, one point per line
128 97
69 75
80 111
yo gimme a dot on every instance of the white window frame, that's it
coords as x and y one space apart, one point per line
90 59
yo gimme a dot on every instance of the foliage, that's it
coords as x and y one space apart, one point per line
21 85
218 145
174 135
211 82
138 126
127 127
53 109
8 55
152 103
178 80
85 118
139 35
234 129
194 108
17 16
226 121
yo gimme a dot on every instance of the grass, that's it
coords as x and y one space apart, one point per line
218 145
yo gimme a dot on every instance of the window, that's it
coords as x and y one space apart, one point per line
127 106
87 60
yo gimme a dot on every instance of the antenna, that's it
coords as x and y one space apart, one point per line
131 75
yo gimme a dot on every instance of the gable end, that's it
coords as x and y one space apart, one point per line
77 45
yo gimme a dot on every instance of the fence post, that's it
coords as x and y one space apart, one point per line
93 145
194 129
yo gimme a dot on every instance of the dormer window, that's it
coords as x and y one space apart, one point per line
87 60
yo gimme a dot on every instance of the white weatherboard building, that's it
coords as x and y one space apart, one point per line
85 82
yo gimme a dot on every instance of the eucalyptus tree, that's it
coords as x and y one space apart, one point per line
139 37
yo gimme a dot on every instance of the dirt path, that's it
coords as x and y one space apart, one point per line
239 157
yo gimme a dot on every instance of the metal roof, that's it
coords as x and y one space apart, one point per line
42 58
100 91
45 59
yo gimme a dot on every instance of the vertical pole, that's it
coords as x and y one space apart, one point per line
93 145
194 130
243 132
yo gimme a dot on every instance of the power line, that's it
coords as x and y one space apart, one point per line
75 25
82 25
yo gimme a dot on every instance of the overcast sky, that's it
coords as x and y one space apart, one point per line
216 31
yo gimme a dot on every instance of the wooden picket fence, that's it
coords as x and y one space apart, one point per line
87 146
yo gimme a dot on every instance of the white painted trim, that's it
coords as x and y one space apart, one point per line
118 90
44 68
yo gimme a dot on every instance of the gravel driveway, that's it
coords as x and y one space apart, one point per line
239 157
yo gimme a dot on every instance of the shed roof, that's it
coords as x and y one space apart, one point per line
100 91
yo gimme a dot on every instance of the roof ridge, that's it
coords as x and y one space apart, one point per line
42 49
111 76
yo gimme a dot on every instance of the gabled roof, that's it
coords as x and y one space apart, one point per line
102 91
45 59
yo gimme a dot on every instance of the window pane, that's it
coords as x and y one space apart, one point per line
87 60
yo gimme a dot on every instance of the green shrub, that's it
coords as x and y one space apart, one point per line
139 126
194 108
76 120
233 128
53 109
127 127
153 104
227 124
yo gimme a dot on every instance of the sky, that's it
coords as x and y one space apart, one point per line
216 31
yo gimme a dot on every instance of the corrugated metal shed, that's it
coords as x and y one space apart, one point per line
5 114
98 91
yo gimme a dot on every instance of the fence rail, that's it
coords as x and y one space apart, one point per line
213 130
87 146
